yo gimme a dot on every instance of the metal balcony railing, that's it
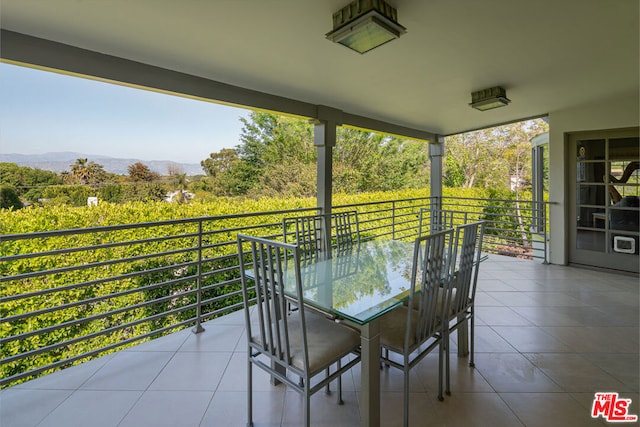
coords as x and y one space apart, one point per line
72 295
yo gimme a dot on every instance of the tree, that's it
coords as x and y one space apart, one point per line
370 161
277 156
139 172
86 173
80 171
228 175
489 157
268 140
220 162
295 179
268 144
28 182
9 198
174 169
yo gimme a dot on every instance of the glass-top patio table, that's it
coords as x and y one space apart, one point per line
358 286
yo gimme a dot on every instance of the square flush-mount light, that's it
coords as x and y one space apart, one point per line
363 25
488 99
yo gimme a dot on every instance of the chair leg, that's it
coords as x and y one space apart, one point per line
405 415
340 401
250 391
447 361
306 410
440 357
471 339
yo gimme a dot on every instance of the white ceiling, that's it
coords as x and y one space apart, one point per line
550 55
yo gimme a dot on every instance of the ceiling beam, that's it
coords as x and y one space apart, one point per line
46 54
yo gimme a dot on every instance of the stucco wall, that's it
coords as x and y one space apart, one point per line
620 112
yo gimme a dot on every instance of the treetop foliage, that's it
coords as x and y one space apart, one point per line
489 157
276 157
139 172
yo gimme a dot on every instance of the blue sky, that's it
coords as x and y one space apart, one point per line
44 112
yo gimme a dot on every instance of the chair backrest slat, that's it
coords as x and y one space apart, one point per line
467 253
430 284
260 296
439 219
307 234
272 262
347 230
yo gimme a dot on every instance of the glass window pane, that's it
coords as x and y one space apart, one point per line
591 240
623 149
592 195
592 172
625 177
591 150
591 217
624 219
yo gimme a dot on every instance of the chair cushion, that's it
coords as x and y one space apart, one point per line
326 341
416 302
393 327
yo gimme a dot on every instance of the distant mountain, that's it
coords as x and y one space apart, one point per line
60 161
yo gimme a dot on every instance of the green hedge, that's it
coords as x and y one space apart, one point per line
146 277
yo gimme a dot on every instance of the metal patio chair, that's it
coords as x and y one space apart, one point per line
288 345
346 230
305 231
306 235
407 334
467 255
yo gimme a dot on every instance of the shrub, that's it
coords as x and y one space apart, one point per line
9 198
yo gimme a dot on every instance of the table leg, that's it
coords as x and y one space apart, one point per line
370 368
463 337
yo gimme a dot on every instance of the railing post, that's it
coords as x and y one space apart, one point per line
198 328
393 219
543 222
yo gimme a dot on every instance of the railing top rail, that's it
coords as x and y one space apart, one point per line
495 200
409 199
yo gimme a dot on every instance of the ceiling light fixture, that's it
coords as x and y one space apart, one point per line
363 25
488 99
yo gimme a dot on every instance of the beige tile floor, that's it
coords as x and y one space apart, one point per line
548 337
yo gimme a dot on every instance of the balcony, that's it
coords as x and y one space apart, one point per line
548 337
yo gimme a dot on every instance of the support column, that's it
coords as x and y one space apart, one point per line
324 135
324 138
436 151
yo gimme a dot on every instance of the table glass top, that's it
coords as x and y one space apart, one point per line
361 284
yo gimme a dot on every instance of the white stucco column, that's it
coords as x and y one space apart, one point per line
436 151
324 138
